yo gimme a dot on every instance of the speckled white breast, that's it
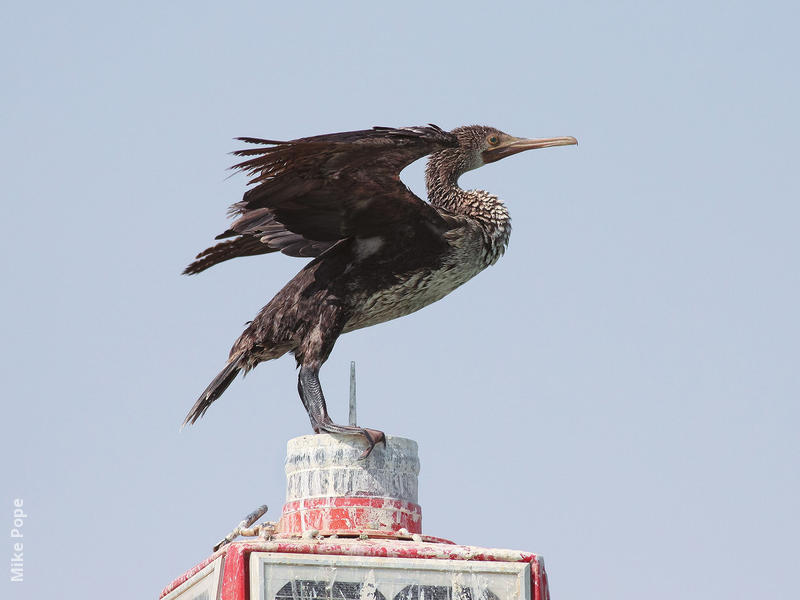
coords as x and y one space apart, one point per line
419 289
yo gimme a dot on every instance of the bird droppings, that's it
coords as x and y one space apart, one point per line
327 488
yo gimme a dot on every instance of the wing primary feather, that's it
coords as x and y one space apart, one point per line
306 194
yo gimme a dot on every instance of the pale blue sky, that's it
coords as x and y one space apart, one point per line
619 393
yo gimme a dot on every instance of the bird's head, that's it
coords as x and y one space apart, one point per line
483 145
478 146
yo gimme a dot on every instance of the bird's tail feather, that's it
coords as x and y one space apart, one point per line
215 389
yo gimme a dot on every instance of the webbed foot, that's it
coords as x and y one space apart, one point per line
373 436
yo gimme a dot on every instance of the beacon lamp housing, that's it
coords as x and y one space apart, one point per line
352 530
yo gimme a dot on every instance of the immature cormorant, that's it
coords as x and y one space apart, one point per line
380 252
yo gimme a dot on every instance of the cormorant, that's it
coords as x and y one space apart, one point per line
379 251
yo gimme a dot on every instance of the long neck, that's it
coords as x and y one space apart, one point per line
485 210
441 179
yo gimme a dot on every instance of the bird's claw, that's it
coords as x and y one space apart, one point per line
373 437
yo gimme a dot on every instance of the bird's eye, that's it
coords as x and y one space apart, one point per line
493 140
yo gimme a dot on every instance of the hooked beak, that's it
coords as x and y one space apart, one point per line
515 145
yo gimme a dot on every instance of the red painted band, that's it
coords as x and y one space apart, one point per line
350 513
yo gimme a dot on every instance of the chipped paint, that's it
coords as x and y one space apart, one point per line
349 514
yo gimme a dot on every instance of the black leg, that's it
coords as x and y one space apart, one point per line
311 394
315 411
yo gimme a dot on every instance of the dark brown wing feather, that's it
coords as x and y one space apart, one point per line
311 192
334 186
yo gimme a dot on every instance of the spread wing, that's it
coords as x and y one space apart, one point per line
309 193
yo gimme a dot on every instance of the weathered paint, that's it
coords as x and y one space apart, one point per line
347 514
235 580
191 572
329 489
202 581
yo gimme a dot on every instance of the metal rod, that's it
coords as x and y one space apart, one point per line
353 393
246 522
